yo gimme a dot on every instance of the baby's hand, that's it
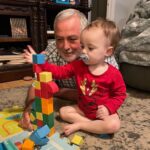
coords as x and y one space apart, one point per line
102 112
25 121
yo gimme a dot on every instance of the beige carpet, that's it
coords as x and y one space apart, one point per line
135 115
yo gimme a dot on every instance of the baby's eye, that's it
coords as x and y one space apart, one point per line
91 48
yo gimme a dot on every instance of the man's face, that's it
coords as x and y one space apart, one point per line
67 34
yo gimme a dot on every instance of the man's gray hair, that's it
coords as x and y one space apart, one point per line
64 14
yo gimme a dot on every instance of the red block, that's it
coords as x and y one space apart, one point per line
39 123
48 89
37 93
53 88
36 68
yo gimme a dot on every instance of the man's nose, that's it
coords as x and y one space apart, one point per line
66 45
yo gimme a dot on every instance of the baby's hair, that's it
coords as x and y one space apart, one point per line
110 30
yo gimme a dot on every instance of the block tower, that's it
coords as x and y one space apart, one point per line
42 112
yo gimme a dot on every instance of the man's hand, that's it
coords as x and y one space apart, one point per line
28 53
102 112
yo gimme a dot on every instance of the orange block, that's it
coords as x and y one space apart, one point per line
28 145
52 131
47 105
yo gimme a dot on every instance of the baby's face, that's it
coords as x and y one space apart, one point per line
94 46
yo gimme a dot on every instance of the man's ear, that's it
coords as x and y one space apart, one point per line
109 51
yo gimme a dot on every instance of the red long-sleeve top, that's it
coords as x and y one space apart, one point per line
107 89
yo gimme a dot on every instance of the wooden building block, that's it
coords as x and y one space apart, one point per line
36 68
39 123
45 76
38 104
8 145
47 106
39 116
38 58
37 85
28 145
78 140
49 120
37 93
52 131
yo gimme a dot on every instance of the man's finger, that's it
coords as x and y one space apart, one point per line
30 49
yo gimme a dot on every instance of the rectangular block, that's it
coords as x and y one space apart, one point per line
43 131
32 117
49 120
45 76
37 84
40 123
47 106
39 116
28 145
36 68
52 131
38 106
8 145
37 93
38 58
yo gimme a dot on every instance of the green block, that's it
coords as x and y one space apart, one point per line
33 112
9 145
38 104
49 119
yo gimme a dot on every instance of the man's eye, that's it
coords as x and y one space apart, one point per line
59 39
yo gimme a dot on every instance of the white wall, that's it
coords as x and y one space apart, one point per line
119 10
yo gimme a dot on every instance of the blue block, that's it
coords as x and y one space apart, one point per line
37 140
43 141
34 137
62 1
39 135
43 131
38 58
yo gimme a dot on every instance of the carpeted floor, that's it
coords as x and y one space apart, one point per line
135 115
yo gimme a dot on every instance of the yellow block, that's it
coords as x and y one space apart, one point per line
47 105
34 126
37 84
32 118
45 76
78 140
39 116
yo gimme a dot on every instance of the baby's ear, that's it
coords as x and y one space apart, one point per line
109 51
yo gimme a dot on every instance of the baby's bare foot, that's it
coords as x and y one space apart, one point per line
69 129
